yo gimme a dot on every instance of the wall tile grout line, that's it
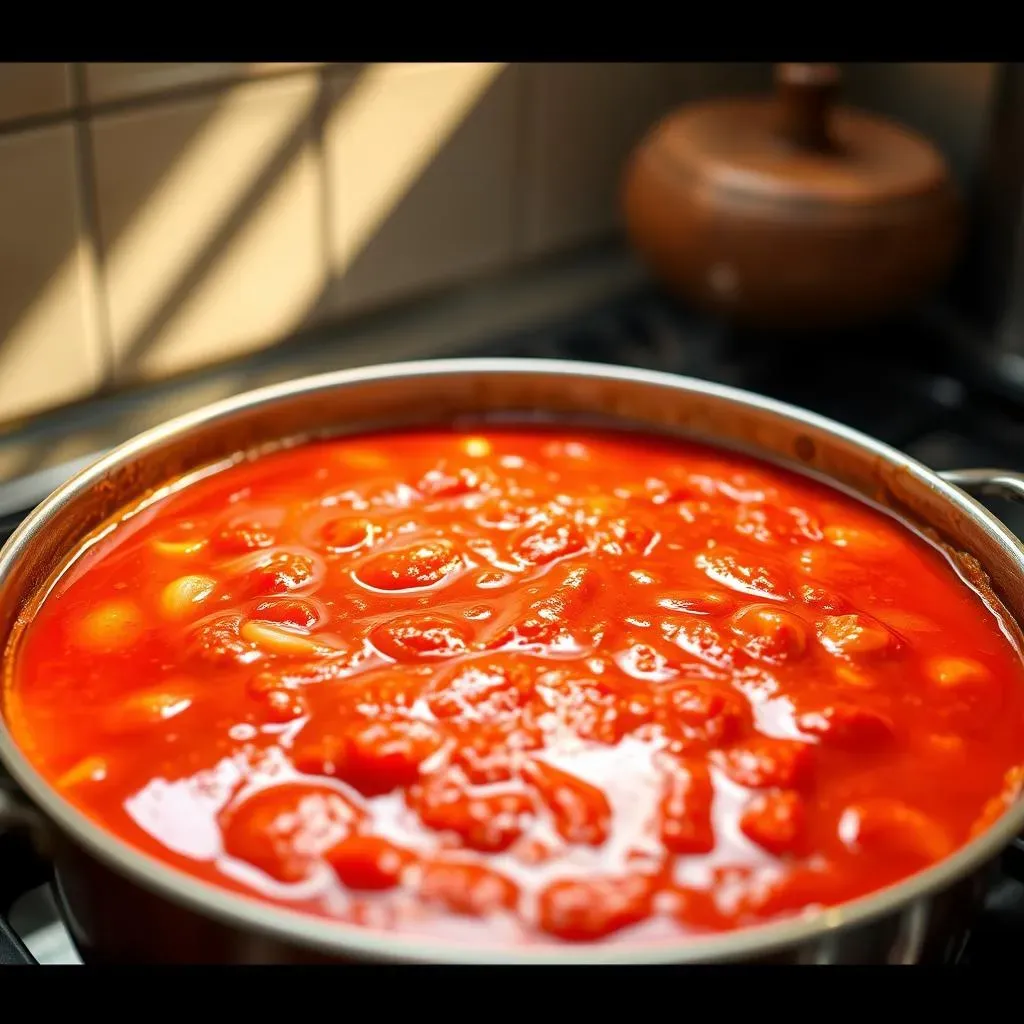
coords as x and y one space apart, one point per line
85 175
82 108
321 112
525 116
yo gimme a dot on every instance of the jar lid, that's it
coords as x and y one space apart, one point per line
798 148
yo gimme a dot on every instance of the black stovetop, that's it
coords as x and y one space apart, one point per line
894 382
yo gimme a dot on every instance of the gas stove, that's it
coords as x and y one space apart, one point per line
896 382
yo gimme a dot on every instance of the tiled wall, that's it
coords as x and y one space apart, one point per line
156 217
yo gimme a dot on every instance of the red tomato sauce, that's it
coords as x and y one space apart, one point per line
523 686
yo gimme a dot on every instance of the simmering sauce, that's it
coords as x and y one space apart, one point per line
522 686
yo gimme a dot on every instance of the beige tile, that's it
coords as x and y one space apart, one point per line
421 169
210 220
29 90
49 352
582 121
125 80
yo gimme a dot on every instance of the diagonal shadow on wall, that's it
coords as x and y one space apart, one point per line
153 168
416 210
37 273
304 133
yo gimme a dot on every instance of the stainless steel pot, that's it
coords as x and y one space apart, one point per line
124 906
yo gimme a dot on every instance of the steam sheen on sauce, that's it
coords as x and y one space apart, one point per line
523 685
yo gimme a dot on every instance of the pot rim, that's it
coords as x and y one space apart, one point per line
333 937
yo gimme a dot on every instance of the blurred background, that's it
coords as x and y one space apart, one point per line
229 224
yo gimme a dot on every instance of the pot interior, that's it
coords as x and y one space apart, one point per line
518 390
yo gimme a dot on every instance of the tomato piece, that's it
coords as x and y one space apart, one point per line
854 636
701 640
823 600
180 540
764 762
698 910
580 811
366 862
285 829
642 661
532 852
626 537
584 910
587 705
803 886
418 635
771 524
185 597
348 533
219 639
635 702
142 710
846 726
443 483
278 573
958 674
702 711
411 567
837 565
489 822
289 611
730 568
504 513
283 706
285 641
482 690
776 821
240 537
374 757
557 614
384 693
469 889
965 691
890 829
685 824
112 627
770 633
542 544
867 544
697 602
488 751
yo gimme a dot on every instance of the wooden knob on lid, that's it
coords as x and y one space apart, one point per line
791 210
805 94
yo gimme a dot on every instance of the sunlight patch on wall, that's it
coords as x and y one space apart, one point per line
49 351
263 275
55 324
394 141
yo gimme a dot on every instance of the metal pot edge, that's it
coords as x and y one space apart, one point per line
349 942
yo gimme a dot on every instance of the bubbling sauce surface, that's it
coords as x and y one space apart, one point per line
523 685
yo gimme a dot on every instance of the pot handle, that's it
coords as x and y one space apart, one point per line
18 821
13 952
996 483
